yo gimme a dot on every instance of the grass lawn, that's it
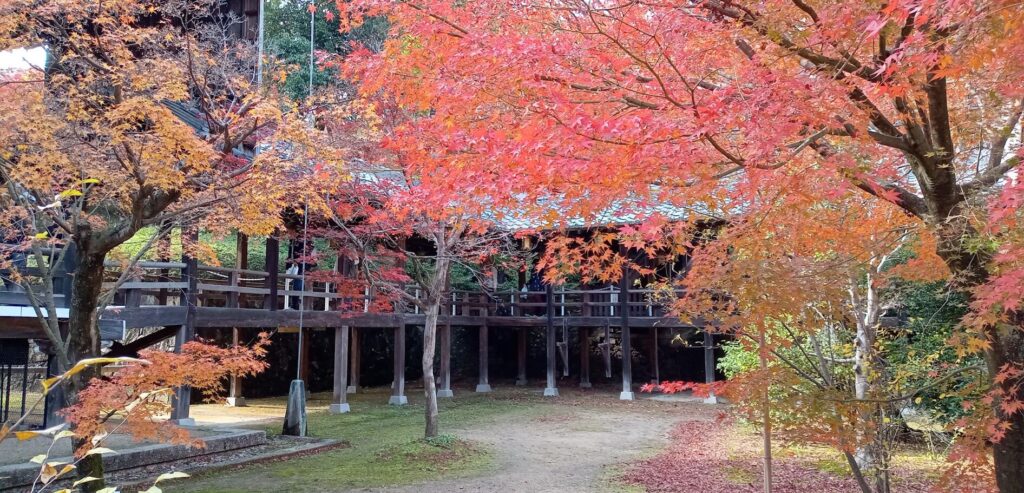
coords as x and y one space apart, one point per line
386 447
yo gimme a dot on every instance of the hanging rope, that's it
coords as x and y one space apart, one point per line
259 48
312 43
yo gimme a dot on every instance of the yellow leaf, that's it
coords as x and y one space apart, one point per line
100 450
170 475
25 435
917 401
42 236
70 193
38 459
47 473
89 181
64 434
86 479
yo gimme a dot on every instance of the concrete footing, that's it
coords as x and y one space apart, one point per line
236 401
339 408
445 393
711 399
626 396
551 392
351 389
483 387
398 400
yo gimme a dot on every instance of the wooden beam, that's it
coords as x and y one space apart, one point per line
483 384
584 336
551 390
339 403
398 397
445 389
521 339
353 374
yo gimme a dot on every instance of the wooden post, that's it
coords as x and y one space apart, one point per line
584 335
709 365
339 402
353 377
273 248
445 389
183 395
241 263
627 351
483 385
398 397
551 390
235 398
521 335
654 355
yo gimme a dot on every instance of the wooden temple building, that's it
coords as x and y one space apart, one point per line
177 299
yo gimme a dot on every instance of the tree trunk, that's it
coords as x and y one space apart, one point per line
429 345
969 269
767 430
84 342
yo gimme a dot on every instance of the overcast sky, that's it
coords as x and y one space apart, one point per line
21 58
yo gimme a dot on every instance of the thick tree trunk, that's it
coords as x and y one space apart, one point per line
84 342
969 270
429 385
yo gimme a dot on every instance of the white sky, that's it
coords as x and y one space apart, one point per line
22 58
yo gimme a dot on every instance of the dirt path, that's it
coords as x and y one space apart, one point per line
565 450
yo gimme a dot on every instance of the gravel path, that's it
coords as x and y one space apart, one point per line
566 450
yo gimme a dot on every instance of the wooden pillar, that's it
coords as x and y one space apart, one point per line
398 397
552 388
627 350
235 398
521 335
445 389
483 385
654 356
183 395
709 365
273 248
339 402
354 363
584 335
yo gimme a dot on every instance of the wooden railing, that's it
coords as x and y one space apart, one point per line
166 283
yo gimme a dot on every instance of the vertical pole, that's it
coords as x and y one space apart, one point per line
398 397
521 335
627 350
339 402
551 389
709 365
235 398
584 335
445 389
273 248
483 385
304 359
353 379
